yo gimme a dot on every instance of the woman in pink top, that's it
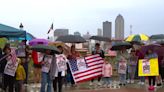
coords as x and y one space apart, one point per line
107 73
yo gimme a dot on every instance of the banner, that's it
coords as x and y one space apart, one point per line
61 62
148 67
47 63
10 68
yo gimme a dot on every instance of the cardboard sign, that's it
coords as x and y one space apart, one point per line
148 67
10 68
47 63
81 64
122 67
40 56
61 62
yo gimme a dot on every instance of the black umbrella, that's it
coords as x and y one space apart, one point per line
100 38
43 48
71 39
154 47
157 37
161 42
121 45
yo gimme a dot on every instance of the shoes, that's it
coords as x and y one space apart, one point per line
151 88
159 84
142 83
128 81
91 84
99 83
139 83
132 81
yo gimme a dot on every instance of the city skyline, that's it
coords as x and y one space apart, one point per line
77 15
119 27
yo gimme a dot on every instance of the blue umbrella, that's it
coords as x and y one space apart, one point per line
29 37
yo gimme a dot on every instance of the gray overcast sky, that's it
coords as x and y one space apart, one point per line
146 16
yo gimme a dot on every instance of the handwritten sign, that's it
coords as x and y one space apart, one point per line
47 63
122 67
10 68
61 62
81 64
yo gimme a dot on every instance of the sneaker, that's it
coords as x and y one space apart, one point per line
142 83
159 84
132 81
99 83
91 84
151 88
139 83
108 85
128 81
120 84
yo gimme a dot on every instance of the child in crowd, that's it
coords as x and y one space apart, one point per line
20 77
122 67
107 73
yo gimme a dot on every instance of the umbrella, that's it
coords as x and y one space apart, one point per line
29 36
137 38
100 38
155 47
121 45
71 39
38 41
160 42
157 37
43 48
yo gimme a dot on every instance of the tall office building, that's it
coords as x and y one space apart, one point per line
99 32
60 32
119 27
77 33
107 29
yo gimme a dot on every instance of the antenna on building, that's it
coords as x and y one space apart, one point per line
131 32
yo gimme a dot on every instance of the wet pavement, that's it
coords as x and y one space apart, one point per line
86 88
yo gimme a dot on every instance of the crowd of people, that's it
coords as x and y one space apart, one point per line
49 74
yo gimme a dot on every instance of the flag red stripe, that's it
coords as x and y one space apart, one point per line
94 61
87 70
95 64
88 79
92 58
88 74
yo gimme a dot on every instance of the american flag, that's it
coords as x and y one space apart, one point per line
92 68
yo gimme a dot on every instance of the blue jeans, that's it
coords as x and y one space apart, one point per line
142 79
122 78
45 81
106 80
